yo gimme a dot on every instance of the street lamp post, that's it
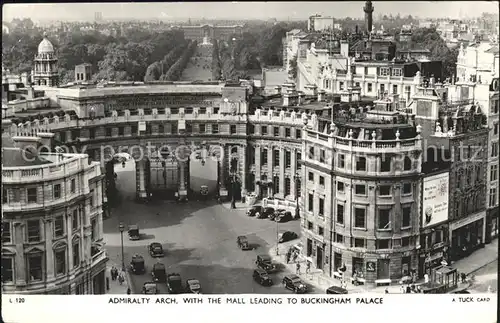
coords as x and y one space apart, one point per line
296 179
122 228
277 238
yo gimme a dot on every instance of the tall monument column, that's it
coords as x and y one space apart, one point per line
182 180
368 9
140 175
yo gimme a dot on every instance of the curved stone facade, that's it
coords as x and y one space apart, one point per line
52 227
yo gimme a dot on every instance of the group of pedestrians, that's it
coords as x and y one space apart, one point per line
120 277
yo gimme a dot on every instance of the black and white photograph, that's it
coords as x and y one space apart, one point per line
226 148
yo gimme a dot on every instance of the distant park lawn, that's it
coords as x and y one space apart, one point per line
199 67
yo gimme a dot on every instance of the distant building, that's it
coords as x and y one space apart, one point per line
45 72
83 73
211 32
320 23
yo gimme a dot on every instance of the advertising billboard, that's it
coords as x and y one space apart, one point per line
435 199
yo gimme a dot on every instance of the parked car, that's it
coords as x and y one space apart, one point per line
254 210
150 288
133 232
174 283
156 249
265 263
262 277
275 214
336 290
137 264
159 273
267 211
242 243
285 236
193 286
295 284
284 217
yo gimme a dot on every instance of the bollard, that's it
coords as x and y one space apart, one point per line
107 283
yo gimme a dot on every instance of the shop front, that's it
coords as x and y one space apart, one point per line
491 225
467 235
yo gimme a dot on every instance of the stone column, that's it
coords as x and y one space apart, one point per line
221 178
182 181
258 166
49 253
293 168
19 258
69 230
87 234
140 171
270 170
282 172
243 163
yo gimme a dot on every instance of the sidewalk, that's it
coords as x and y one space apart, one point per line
320 282
478 259
114 285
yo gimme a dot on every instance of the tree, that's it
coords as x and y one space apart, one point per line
153 72
292 73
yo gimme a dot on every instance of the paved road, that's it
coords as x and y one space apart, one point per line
199 239
486 277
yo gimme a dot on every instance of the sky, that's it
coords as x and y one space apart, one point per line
243 10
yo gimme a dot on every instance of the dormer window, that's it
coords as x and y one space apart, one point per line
384 71
397 72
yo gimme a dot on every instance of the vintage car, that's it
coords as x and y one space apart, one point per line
193 286
336 290
284 217
150 288
254 210
133 232
267 211
159 273
156 249
265 263
276 213
262 277
242 243
294 283
174 283
285 236
137 264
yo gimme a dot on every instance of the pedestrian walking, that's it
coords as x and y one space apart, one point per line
403 289
295 255
308 267
297 270
463 276
121 279
387 290
129 291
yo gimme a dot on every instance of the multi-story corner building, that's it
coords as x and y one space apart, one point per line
361 193
455 136
51 219
478 80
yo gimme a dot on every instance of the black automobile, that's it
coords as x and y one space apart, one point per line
265 263
267 211
159 273
150 288
193 286
295 284
262 277
156 249
336 290
137 264
255 210
133 232
174 283
284 217
242 243
285 236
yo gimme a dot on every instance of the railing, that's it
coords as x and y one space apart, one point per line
75 163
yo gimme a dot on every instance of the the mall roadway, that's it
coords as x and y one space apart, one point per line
199 239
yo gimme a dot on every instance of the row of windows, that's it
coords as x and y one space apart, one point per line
202 128
264 160
383 218
35 264
34 229
31 193
386 163
360 242
360 189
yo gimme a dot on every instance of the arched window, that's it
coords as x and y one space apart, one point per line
35 265
407 163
